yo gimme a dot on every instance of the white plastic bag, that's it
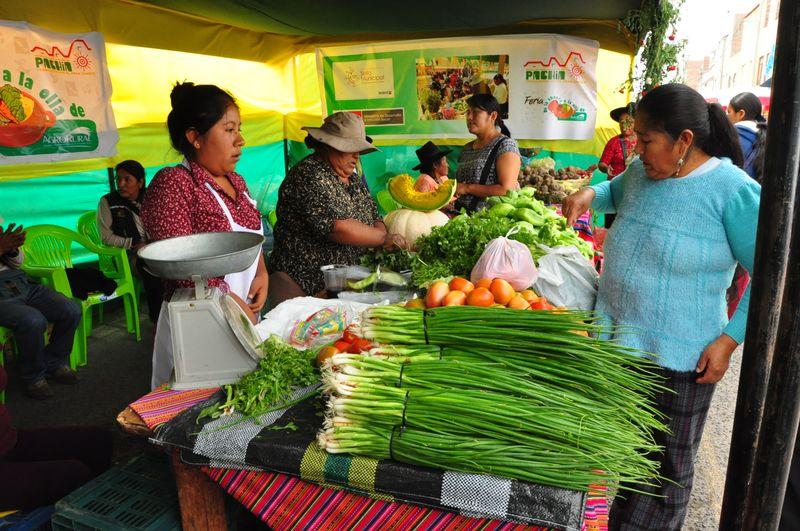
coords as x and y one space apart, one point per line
567 278
284 319
507 259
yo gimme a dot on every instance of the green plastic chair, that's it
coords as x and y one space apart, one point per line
87 225
48 253
385 201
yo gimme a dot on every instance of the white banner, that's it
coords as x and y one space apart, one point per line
55 96
546 84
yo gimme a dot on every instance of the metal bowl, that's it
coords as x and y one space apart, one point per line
208 254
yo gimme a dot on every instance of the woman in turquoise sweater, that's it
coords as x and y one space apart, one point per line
686 214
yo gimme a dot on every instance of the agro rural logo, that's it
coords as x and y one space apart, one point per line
564 110
355 77
53 59
570 69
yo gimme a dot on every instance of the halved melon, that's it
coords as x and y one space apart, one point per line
401 187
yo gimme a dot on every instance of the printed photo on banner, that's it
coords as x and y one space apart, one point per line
445 83
54 96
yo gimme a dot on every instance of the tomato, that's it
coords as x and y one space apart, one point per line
360 345
461 284
502 291
349 337
436 294
326 353
480 297
541 304
455 298
484 283
342 346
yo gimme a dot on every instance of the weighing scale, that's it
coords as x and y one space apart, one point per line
213 340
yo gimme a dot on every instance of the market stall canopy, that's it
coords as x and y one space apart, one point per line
273 32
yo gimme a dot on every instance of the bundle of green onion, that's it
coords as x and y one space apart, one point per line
511 393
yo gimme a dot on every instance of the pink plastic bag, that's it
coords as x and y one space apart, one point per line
507 259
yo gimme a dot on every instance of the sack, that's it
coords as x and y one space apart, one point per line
507 259
567 278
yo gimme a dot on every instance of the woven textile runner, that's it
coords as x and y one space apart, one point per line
161 405
287 502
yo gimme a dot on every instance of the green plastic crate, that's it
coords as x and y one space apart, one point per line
138 495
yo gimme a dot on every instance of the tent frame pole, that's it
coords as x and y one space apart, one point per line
767 406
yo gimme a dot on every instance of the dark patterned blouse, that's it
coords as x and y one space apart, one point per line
310 200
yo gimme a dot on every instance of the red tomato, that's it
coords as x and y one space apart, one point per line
541 304
349 337
360 345
342 346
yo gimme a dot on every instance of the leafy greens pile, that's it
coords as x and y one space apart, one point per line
281 369
454 248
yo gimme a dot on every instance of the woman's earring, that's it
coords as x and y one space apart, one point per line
197 146
681 162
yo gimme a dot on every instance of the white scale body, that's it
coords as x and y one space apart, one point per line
206 351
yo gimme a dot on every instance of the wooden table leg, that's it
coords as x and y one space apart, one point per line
201 500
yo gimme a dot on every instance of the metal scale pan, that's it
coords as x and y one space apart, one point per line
213 341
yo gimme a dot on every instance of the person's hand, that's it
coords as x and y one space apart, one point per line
11 238
576 204
258 293
461 188
394 241
715 359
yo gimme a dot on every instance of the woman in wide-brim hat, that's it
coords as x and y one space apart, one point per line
620 150
432 167
326 214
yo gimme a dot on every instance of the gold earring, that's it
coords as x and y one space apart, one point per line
197 146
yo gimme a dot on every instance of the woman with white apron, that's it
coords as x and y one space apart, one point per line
204 126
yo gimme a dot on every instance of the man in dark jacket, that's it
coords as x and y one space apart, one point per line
26 308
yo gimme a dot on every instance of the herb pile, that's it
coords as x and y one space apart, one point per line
453 249
281 369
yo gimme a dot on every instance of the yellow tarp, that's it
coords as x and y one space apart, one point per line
142 79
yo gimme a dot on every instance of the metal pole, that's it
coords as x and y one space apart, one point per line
744 488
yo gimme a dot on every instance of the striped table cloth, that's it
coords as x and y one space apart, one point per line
287 502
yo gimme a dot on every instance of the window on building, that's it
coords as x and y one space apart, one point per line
736 40
767 11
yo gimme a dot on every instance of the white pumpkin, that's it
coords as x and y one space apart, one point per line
411 224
